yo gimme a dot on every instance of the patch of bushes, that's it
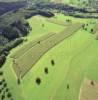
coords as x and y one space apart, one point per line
4 91
52 62
45 13
1 73
38 81
5 51
67 86
46 70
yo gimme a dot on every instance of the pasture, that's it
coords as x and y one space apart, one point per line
24 62
61 71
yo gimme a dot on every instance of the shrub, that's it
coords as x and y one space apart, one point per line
2 97
7 90
18 81
2 82
52 62
46 70
67 86
38 42
9 95
1 73
5 85
10 33
85 29
92 83
2 60
0 91
38 81
92 30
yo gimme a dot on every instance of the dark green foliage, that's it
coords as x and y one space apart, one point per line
18 81
38 42
1 73
7 48
67 86
38 81
68 20
21 28
2 60
92 30
3 40
7 90
5 53
2 97
9 95
2 81
52 62
10 33
46 70
0 91
45 13
92 83
5 85
85 29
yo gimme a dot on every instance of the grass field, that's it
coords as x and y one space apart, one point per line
25 62
71 2
74 59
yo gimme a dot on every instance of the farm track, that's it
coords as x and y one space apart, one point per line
25 62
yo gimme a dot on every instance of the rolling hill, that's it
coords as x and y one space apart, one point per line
57 59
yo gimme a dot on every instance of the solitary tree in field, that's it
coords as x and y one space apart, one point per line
92 83
85 29
52 62
38 81
1 73
46 70
7 90
92 30
67 86
9 95
18 81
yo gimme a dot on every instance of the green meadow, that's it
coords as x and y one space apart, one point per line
75 59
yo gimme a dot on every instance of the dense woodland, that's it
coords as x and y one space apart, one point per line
13 26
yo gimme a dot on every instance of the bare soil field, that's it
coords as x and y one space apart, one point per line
89 90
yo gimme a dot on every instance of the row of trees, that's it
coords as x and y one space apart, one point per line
10 37
5 50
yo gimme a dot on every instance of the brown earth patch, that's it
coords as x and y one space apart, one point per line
89 90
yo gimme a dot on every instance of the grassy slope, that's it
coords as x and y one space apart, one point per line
66 1
37 31
75 58
66 71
